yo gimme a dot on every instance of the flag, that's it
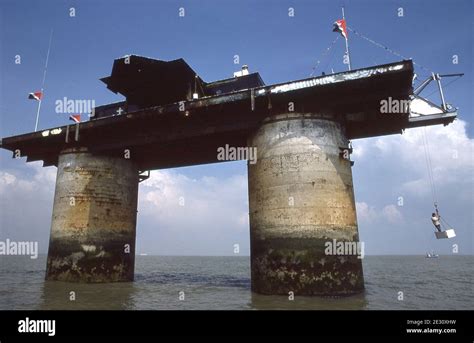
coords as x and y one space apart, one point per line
75 118
340 26
35 96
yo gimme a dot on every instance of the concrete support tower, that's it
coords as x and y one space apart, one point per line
301 196
94 218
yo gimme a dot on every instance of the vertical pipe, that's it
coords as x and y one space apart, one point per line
347 42
438 81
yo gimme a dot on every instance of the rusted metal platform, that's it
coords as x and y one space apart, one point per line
188 132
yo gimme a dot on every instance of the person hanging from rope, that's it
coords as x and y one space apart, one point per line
435 218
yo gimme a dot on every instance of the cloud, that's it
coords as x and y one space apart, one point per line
34 178
449 149
6 179
177 214
185 203
395 167
193 216
365 213
26 200
369 214
392 214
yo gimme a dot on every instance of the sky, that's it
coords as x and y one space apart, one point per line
281 48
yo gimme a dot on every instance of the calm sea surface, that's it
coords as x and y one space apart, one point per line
224 283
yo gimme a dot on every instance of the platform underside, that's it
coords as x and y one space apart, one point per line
168 136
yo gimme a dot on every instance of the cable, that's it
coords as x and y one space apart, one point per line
424 136
329 60
387 48
324 54
445 222
44 80
444 86
429 165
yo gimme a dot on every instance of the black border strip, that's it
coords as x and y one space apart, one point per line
240 323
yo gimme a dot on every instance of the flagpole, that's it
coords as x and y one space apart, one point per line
44 79
347 42
38 111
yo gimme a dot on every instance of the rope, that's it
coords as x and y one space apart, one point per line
424 136
429 165
47 60
386 48
444 86
428 158
445 222
436 91
324 53
44 80
329 61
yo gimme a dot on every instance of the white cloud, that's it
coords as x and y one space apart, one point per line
392 214
369 214
365 213
395 166
358 150
35 179
450 151
6 179
192 216
183 203
26 198
177 214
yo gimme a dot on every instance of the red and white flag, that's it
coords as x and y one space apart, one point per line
340 26
36 96
75 118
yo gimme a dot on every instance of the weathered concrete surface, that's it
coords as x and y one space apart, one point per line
94 219
301 196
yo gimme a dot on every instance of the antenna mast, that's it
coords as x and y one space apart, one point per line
44 79
347 42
